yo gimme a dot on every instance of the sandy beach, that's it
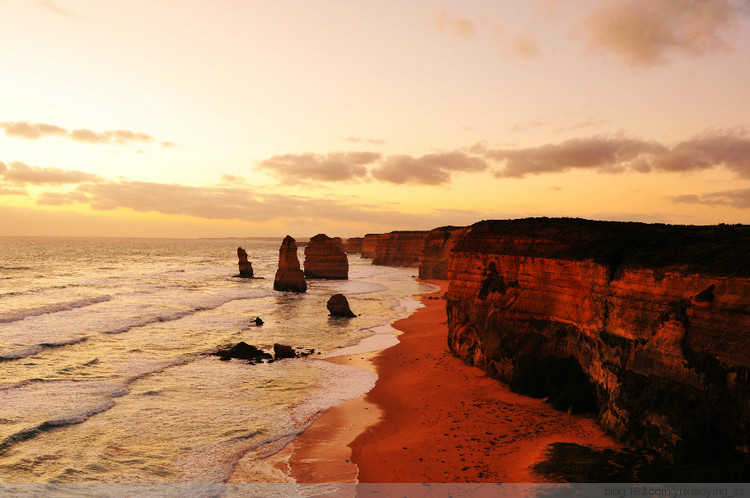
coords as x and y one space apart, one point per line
432 418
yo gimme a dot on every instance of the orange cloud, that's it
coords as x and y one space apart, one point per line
525 44
456 25
35 131
739 198
648 32
20 173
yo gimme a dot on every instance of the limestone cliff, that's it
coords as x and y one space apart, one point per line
369 245
325 257
289 276
656 317
433 260
353 245
401 248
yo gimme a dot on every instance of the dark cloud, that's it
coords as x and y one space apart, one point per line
648 32
456 25
20 173
35 131
334 167
599 153
430 169
739 198
728 149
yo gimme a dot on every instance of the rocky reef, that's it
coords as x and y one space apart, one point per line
434 258
353 245
246 267
648 326
338 306
289 276
325 257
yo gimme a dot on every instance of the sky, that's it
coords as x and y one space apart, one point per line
188 118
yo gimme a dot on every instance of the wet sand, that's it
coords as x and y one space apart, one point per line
432 418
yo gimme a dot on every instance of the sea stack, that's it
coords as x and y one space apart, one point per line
325 257
289 276
246 267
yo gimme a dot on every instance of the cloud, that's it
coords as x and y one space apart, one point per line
455 25
20 173
13 191
47 4
233 180
35 131
333 167
31 131
607 154
525 44
739 198
648 32
60 199
430 169
357 140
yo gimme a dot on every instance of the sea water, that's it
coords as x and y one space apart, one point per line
105 366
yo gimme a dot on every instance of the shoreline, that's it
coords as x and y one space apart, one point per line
431 418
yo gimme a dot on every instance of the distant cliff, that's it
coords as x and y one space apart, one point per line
353 244
369 245
646 325
434 258
399 248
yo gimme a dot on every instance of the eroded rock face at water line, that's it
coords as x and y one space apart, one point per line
289 276
338 305
281 351
325 257
246 267
353 245
651 323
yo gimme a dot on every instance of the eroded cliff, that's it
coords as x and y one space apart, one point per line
325 257
649 325
434 258
400 248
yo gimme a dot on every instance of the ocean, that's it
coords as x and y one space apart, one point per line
105 366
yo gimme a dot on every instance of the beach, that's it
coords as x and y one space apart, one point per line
432 418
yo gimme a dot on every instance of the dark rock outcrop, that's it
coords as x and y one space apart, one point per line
244 351
353 245
281 351
656 318
370 244
289 276
338 305
325 257
433 260
246 267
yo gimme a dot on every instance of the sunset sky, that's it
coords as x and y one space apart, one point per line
187 118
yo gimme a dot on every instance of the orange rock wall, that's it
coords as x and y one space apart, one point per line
433 260
667 348
399 248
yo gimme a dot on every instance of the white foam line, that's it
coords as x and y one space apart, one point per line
52 308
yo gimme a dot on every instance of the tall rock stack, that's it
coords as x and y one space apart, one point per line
289 276
325 257
353 244
246 267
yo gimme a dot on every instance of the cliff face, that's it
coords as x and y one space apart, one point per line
399 248
353 244
369 245
289 276
325 258
656 317
433 260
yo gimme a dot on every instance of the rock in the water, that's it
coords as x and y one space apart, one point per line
246 267
244 351
339 306
289 276
281 351
325 257
258 321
